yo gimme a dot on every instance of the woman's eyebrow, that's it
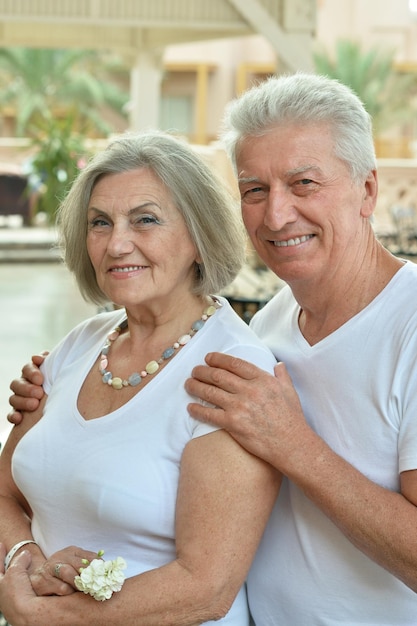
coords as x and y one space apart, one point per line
144 205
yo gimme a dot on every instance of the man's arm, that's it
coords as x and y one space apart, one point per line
263 413
27 389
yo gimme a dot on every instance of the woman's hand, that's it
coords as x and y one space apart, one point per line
55 576
16 593
27 389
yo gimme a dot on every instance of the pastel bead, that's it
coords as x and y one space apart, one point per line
134 379
152 367
168 353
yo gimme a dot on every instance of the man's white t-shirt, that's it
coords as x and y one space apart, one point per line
358 389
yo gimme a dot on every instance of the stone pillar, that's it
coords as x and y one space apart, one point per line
145 90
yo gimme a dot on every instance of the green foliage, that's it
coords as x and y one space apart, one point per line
388 95
58 97
41 82
59 153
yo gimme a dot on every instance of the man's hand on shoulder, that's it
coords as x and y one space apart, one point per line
27 390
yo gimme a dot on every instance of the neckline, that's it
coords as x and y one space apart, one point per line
152 367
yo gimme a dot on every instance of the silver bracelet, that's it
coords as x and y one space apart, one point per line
13 551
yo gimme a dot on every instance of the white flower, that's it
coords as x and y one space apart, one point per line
101 578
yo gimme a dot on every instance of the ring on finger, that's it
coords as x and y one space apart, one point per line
57 570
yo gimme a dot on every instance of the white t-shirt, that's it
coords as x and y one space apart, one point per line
358 389
111 483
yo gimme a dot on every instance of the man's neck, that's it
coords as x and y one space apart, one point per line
326 308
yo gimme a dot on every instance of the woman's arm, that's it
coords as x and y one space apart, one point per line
15 522
224 500
15 514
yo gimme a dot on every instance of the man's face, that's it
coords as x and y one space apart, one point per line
303 213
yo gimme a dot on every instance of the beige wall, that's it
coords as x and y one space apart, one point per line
225 57
373 22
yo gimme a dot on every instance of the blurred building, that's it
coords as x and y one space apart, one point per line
195 82
188 58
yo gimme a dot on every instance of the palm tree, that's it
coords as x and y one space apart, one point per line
39 83
387 94
60 153
58 97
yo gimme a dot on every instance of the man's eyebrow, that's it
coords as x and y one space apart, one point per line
302 169
242 180
248 179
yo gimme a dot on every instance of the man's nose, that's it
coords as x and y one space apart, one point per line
280 209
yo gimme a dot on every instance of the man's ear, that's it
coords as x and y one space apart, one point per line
370 194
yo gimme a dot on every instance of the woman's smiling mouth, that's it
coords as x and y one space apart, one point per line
130 268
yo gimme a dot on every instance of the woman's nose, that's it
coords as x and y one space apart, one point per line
120 242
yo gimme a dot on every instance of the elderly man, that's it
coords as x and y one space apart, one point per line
339 419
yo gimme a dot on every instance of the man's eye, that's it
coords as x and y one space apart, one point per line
253 194
97 222
304 186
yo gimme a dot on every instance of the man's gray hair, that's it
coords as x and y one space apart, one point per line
299 99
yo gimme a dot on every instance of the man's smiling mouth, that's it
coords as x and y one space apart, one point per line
292 242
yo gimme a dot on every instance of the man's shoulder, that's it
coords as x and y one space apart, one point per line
279 302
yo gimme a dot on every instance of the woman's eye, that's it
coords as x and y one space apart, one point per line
144 220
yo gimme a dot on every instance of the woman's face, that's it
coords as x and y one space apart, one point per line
138 242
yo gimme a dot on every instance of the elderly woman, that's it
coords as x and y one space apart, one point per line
111 460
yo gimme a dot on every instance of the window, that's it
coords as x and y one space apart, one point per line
176 113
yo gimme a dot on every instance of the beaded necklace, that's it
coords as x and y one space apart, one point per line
153 366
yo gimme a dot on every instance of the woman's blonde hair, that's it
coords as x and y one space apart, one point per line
209 210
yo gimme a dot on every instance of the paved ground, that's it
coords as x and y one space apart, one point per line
27 244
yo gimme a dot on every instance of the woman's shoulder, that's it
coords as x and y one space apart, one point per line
230 334
89 331
86 336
